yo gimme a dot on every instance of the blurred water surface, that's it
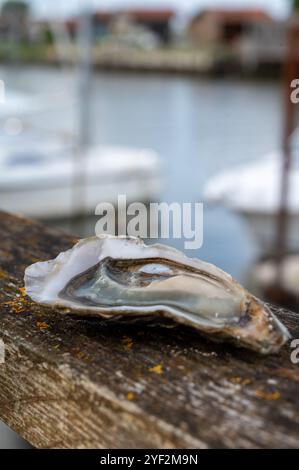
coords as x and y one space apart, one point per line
198 126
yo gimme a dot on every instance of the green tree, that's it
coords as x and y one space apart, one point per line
20 8
296 5
15 15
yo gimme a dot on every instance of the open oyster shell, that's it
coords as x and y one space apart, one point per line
110 276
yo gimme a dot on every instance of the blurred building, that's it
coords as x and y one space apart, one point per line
263 45
72 26
224 26
157 22
14 20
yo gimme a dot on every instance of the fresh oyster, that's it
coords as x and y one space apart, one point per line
110 276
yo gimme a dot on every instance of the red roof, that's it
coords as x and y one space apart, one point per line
140 14
103 16
237 15
151 15
71 23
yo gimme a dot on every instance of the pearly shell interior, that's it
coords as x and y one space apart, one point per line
122 276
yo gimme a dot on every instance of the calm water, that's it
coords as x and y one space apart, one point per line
198 126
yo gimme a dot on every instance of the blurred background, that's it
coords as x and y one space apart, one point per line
161 101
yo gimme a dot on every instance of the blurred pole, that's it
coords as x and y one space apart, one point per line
289 74
84 63
84 86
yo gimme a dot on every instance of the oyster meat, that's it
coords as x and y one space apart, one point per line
107 276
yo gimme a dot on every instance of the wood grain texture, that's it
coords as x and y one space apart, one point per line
73 382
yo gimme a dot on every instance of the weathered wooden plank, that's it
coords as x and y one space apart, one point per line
71 382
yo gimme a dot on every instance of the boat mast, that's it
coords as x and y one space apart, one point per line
84 62
289 74
84 84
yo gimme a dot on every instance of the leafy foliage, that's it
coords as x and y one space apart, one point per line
17 7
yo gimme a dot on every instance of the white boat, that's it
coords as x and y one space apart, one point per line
253 191
263 275
43 175
40 178
23 106
17 104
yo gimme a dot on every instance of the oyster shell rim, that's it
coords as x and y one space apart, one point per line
38 271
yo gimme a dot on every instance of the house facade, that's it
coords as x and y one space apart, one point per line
224 25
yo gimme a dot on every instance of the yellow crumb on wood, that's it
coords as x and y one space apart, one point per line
271 396
19 303
240 381
158 369
128 342
16 305
82 356
22 291
3 275
131 396
42 325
